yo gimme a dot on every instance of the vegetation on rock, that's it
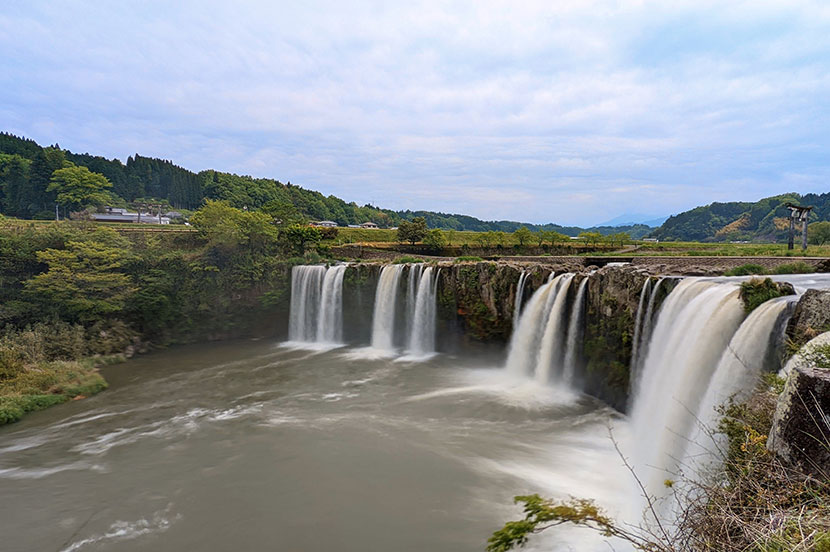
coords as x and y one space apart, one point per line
757 291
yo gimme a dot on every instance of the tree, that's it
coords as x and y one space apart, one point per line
435 240
84 282
78 187
556 237
297 237
284 213
413 231
485 239
590 237
818 233
619 237
522 235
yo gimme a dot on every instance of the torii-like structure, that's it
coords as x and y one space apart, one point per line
800 214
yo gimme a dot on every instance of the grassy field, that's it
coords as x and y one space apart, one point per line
692 249
383 237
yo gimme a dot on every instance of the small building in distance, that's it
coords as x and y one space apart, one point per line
651 240
369 225
324 224
353 226
117 214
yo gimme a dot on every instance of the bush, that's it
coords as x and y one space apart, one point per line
405 260
794 268
756 291
328 233
746 270
468 259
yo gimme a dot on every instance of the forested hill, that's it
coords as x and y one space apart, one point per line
765 220
26 169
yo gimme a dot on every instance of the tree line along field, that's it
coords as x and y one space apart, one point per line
457 238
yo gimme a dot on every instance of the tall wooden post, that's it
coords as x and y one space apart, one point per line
804 232
792 231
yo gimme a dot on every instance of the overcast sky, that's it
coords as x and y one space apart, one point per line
556 111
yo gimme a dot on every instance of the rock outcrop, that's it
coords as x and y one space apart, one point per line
810 318
801 427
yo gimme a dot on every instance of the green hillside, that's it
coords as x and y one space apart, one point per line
763 221
26 169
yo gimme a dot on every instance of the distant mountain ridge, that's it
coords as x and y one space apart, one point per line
632 219
765 220
26 167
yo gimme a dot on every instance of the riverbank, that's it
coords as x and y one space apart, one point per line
39 386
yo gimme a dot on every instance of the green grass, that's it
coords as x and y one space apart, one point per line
404 260
35 387
746 270
467 259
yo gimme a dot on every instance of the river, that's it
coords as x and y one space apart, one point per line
255 446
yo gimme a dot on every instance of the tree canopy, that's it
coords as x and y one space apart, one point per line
78 187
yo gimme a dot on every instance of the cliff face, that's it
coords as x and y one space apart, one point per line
475 306
610 312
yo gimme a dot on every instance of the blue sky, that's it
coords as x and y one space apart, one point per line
557 111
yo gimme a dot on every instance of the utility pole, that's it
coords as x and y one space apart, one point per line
57 216
798 214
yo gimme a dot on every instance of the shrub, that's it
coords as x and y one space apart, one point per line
468 259
746 270
328 233
756 291
404 260
794 268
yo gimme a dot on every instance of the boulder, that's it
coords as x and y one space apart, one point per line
811 316
800 431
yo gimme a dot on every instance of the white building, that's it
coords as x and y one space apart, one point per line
368 225
117 214
324 224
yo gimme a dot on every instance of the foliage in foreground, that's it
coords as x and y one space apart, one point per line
756 291
40 386
754 503
751 269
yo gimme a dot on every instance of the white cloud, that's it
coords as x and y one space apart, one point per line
551 111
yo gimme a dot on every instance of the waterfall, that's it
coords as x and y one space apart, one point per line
422 336
415 271
750 351
638 322
648 321
316 314
538 319
383 319
575 334
691 333
330 318
551 358
306 284
517 303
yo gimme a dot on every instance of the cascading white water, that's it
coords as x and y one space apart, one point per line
648 322
575 334
692 330
525 355
413 282
551 358
638 323
517 302
383 319
737 372
330 318
422 336
316 304
306 291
